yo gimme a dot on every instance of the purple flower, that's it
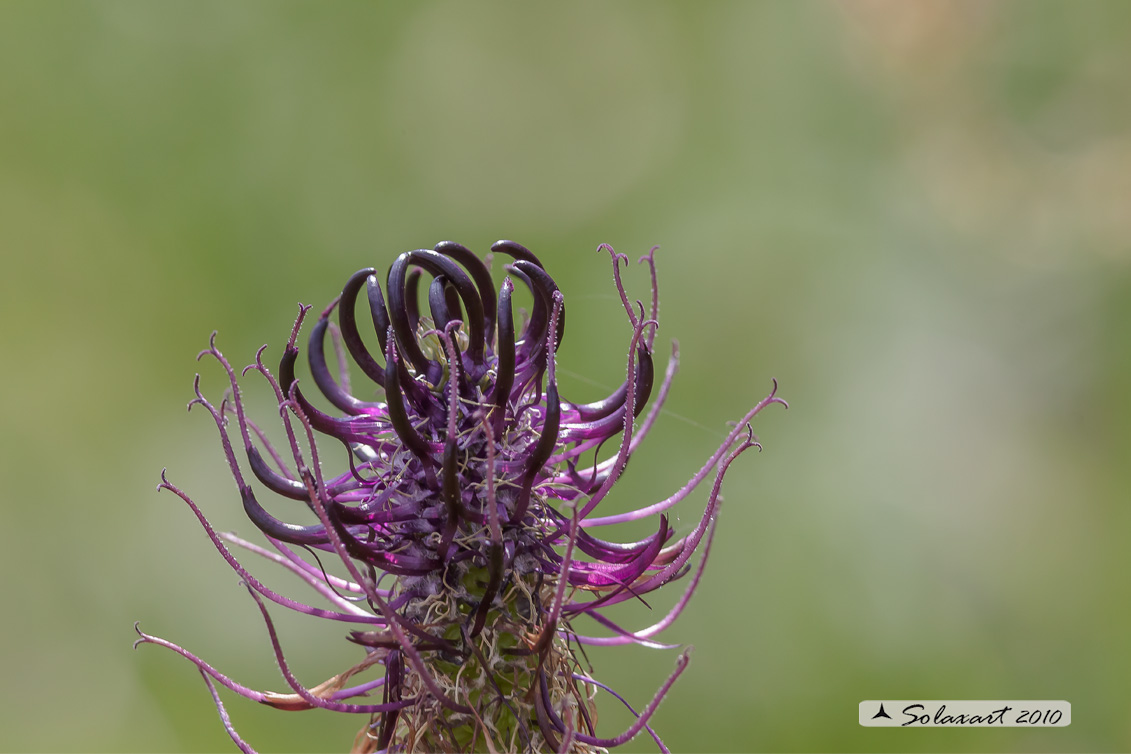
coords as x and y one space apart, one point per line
461 511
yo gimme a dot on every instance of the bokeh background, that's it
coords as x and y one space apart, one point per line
917 216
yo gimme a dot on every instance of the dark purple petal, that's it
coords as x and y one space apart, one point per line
347 320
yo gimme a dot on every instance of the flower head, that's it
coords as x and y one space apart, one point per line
462 507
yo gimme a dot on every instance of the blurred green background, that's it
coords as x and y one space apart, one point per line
917 216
